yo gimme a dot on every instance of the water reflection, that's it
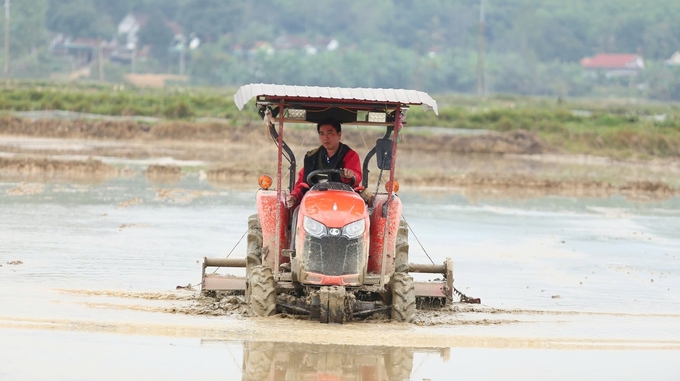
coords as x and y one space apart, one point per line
285 361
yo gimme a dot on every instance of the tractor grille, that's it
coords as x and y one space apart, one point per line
333 255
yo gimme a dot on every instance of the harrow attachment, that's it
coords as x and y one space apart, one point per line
337 304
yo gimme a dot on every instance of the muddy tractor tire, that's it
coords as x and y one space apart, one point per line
403 298
254 248
261 287
401 249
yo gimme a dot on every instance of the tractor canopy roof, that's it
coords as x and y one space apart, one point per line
348 105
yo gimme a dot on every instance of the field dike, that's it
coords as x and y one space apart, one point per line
45 168
480 163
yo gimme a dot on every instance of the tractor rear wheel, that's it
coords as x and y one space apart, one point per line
403 298
401 249
254 248
262 289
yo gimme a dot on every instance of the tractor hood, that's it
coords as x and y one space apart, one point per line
333 208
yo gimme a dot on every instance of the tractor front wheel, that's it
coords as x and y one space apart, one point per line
261 287
403 298
401 249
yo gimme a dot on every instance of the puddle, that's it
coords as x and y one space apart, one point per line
106 356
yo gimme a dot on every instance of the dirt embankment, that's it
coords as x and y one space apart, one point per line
516 142
164 173
513 142
519 184
511 163
121 130
37 168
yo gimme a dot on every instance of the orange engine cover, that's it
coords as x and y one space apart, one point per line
333 208
332 256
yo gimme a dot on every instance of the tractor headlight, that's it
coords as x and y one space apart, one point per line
314 228
355 229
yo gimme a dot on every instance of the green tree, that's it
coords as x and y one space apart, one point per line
114 10
27 26
629 35
158 35
211 19
661 40
78 18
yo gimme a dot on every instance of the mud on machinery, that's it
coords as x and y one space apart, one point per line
341 255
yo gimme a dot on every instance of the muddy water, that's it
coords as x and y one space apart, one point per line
571 289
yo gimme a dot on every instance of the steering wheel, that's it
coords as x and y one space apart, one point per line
312 181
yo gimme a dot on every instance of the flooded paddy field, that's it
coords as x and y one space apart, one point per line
571 288
102 236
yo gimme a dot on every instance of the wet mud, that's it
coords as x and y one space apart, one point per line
233 305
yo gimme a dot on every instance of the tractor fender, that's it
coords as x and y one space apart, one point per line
384 230
274 233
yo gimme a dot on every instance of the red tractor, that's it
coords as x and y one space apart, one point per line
344 253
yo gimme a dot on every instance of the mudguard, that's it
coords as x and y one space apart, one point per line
271 228
384 231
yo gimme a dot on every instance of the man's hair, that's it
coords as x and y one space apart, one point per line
333 122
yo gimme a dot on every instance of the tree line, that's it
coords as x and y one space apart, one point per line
531 46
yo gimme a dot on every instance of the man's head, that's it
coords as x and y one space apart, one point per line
330 121
330 132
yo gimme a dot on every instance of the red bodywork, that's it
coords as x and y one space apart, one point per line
383 234
267 202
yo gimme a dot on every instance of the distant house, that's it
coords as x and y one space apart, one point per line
674 60
82 50
291 42
128 29
615 65
129 26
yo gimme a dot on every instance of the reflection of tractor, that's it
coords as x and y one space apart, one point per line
344 253
303 361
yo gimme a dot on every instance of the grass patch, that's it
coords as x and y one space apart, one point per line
618 128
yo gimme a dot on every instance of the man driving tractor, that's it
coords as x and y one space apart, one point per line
330 155
339 256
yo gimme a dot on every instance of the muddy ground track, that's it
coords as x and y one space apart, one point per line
232 305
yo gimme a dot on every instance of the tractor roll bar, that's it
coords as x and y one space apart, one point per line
290 156
371 153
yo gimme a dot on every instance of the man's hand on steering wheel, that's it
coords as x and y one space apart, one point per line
344 173
347 173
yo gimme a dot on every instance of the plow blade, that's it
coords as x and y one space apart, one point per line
217 282
432 290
